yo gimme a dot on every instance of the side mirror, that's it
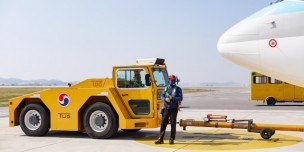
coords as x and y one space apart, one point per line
147 79
177 80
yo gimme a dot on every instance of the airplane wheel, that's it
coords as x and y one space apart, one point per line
266 133
34 120
271 101
100 121
130 130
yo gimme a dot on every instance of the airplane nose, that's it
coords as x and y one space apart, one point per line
223 47
239 44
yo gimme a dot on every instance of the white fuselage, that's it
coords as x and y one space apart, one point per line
270 41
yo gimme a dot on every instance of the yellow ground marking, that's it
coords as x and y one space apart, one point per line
221 140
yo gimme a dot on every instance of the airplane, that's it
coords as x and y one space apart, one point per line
271 41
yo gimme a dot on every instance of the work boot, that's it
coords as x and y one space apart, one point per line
159 141
171 141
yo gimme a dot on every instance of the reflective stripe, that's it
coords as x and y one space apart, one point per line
173 93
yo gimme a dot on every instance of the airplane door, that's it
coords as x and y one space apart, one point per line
270 54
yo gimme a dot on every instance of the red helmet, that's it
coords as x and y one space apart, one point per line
171 77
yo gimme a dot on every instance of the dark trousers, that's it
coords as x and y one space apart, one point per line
172 113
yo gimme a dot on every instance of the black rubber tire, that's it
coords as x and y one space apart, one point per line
271 101
130 130
112 121
45 120
266 133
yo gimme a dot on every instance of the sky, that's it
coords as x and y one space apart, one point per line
72 40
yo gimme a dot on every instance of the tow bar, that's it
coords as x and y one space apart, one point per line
220 121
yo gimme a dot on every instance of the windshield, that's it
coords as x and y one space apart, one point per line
160 76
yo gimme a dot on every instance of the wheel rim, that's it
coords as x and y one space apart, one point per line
98 121
32 120
266 133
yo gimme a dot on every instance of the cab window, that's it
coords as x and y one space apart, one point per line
273 81
160 76
131 78
140 107
260 79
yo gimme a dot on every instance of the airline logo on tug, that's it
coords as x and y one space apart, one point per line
63 99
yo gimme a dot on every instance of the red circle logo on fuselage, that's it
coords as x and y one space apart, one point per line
273 43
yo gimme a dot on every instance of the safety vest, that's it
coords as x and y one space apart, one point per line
173 93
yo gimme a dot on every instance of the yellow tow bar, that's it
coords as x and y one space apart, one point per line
220 121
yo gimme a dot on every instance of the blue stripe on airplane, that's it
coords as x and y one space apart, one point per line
280 8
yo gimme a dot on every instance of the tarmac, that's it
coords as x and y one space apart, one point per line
196 106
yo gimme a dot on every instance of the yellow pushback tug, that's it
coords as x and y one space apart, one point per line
129 101
265 88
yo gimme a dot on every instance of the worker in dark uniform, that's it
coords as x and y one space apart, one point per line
137 80
172 97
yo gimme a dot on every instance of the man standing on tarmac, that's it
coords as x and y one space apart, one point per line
172 97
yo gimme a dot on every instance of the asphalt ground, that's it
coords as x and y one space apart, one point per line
231 101
231 98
